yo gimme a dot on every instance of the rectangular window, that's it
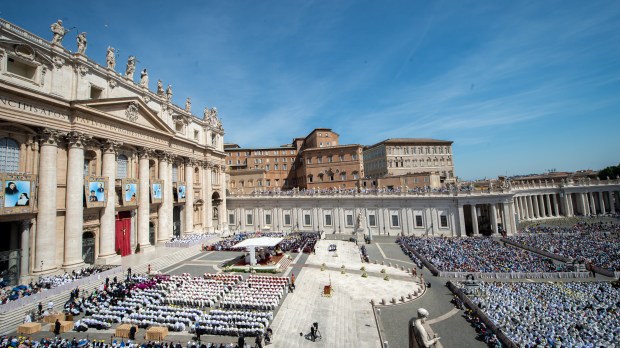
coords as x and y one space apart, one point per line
395 220
275 160
231 218
330 159
267 219
195 135
309 160
341 158
248 219
22 69
319 159
349 220
328 220
372 221
267 167
284 167
86 165
267 182
443 221
95 93
418 221
287 219
275 167
307 221
354 157
260 183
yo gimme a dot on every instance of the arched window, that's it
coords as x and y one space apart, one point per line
121 166
9 156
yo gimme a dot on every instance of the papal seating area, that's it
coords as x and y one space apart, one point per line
572 314
598 243
295 242
478 254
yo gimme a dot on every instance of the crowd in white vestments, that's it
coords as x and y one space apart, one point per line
574 314
179 302
191 239
478 254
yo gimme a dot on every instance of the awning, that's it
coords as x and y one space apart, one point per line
261 242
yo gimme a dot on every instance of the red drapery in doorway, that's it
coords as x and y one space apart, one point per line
123 233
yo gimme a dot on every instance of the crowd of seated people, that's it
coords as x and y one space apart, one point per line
478 254
179 302
233 323
184 290
256 293
59 342
596 243
571 314
484 334
45 282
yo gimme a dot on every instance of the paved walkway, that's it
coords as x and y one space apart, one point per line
346 318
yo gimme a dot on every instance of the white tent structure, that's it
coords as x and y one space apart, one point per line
262 242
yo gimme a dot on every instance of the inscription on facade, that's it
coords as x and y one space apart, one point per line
119 129
37 110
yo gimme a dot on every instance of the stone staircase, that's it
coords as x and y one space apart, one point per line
11 320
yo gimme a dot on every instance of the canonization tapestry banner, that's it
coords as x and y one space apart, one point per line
18 195
130 192
95 191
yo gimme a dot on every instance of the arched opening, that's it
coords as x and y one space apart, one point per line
151 232
176 221
88 247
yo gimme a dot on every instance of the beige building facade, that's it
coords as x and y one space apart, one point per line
94 164
401 156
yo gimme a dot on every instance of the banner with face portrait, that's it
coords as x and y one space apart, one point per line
157 191
95 191
181 191
18 193
130 191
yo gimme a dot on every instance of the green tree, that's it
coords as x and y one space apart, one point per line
612 172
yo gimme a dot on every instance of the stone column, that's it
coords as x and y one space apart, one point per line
163 225
208 200
571 208
541 206
548 205
25 247
592 203
530 207
535 207
461 230
144 206
45 243
223 216
523 208
74 215
516 204
107 233
169 202
493 212
510 225
474 220
601 202
556 207
189 197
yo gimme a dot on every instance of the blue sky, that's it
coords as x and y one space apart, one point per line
520 87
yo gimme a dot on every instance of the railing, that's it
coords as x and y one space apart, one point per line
44 294
23 33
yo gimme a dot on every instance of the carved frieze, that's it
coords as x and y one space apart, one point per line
132 112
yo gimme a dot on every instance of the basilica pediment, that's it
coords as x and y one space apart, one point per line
131 110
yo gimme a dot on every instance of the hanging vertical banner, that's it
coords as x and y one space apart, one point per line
181 191
95 191
18 193
130 192
157 191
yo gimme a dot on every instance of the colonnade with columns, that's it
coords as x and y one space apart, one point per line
593 200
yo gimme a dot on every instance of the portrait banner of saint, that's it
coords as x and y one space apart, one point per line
95 191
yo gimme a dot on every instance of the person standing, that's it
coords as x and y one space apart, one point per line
259 341
241 341
57 327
